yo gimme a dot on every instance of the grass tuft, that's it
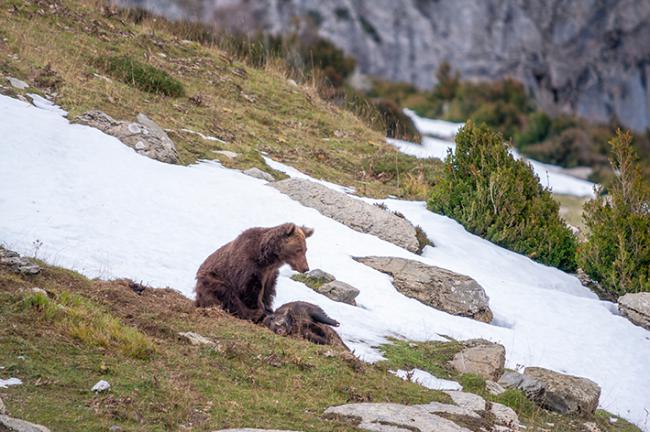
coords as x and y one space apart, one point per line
143 76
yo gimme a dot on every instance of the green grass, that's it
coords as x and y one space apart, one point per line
312 282
142 76
253 378
429 356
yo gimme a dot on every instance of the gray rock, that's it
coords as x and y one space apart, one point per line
3 409
17 263
608 75
505 416
482 358
339 291
16 83
17 425
391 417
321 275
434 286
197 339
227 153
259 174
356 214
144 136
101 386
468 401
493 388
636 307
532 388
441 408
565 394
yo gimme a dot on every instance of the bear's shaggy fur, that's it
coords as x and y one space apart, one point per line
241 275
304 320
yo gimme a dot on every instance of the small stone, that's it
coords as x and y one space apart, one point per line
494 388
115 428
197 339
37 290
259 174
292 83
339 291
101 386
227 153
505 416
321 275
16 83
16 425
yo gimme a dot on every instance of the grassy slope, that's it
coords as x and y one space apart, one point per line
60 348
253 110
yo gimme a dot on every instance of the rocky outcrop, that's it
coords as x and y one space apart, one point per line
636 307
18 263
356 214
482 358
434 286
144 135
339 291
16 425
565 394
607 77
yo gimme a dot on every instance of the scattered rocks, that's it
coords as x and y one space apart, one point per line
636 308
144 135
493 387
482 358
197 339
391 417
16 83
320 275
259 174
17 263
352 212
101 386
565 394
17 425
339 291
434 286
226 153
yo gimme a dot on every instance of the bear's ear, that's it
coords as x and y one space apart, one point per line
288 229
307 231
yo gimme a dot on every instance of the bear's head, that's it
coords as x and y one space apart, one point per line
293 248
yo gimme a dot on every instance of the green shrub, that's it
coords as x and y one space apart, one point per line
537 129
143 76
617 251
500 198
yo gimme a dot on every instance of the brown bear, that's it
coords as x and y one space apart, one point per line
241 275
304 320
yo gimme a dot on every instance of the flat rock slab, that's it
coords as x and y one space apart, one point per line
259 174
565 394
480 357
636 308
391 417
354 213
434 286
144 135
17 425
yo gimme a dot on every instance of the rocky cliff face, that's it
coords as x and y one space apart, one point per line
589 57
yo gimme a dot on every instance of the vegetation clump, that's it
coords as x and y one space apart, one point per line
143 76
498 197
617 250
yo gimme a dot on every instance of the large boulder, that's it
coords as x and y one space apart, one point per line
143 135
482 358
434 286
17 263
532 388
356 214
565 394
636 307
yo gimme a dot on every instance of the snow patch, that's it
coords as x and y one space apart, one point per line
9 382
425 379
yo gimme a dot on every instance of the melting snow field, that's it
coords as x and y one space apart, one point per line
80 199
437 138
